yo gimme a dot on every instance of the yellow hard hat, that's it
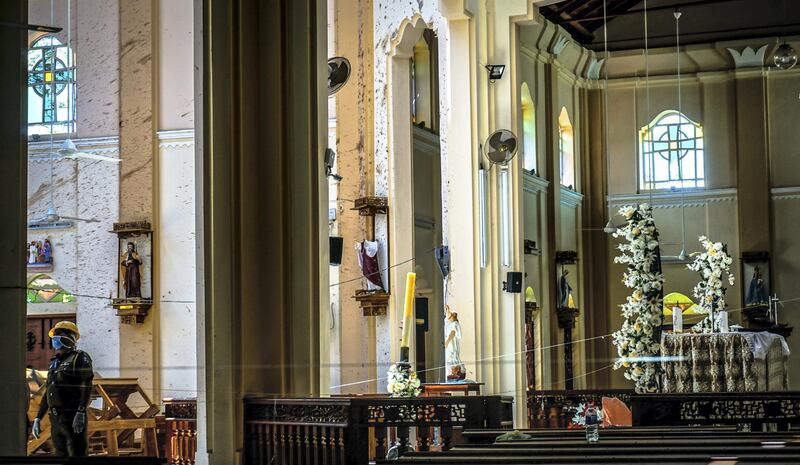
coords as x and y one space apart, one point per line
67 325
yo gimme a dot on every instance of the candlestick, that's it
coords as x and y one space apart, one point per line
411 279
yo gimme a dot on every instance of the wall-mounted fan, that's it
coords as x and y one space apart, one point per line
500 147
338 74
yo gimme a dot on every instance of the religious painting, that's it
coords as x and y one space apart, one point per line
39 254
135 265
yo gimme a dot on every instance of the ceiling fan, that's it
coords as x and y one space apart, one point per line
52 219
68 151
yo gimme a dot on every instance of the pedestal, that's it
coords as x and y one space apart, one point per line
566 321
530 343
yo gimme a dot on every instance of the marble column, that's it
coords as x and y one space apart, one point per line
136 185
261 124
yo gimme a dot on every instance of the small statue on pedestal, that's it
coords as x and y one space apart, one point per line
756 293
456 371
368 261
132 278
565 299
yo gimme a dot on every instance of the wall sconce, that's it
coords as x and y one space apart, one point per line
495 72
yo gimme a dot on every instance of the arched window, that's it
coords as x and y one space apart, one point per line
566 150
51 87
44 289
425 82
672 153
528 130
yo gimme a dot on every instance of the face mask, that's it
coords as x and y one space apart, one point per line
60 342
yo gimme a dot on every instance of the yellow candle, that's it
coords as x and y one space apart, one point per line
570 302
411 279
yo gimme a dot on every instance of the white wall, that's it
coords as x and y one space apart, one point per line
175 275
84 255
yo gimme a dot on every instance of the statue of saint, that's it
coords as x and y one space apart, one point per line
48 251
564 291
456 371
757 293
132 278
368 261
33 252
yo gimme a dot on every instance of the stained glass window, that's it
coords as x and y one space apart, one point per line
566 149
672 153
51 87
43 289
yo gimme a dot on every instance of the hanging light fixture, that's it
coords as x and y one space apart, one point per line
682 254
609 228
785 56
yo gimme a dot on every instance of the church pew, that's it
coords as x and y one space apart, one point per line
489 436
675 446
684 459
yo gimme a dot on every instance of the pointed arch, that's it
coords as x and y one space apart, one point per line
528 129
566 149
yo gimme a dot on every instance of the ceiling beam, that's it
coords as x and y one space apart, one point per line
649 10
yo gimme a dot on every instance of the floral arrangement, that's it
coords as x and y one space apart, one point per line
710 292
640 333
403 382
579 419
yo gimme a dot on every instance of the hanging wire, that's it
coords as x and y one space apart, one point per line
647 98
677 14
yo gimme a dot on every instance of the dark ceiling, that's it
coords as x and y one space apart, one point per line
701 21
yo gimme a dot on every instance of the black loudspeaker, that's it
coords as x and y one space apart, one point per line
336 244
421 313
513 282
443 259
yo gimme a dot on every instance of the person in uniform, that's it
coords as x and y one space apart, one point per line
68 389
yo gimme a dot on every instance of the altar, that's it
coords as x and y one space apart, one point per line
724 362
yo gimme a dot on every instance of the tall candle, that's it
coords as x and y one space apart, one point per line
408 315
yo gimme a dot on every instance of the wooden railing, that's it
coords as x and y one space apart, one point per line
180 431
338 430
749 409
554 409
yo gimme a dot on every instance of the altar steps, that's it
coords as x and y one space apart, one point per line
623 446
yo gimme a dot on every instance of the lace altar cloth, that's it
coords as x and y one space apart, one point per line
724 362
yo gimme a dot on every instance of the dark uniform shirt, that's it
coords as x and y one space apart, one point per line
69 382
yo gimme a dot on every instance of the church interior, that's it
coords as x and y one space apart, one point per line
379 231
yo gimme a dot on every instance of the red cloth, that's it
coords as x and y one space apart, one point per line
616 413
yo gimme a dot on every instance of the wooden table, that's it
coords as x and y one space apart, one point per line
114 427
434 389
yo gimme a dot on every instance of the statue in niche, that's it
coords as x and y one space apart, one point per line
48 251
33 252
132 278
757 293
456 370
368 261
565 299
